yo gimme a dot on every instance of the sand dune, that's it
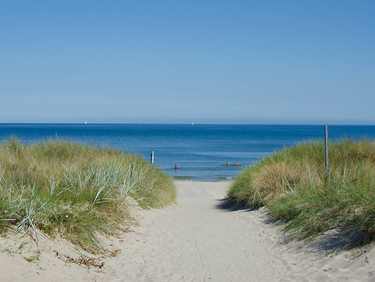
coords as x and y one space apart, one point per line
197 239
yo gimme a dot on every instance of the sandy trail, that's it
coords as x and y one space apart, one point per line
198 240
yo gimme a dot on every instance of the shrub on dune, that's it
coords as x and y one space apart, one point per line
294 185
74 189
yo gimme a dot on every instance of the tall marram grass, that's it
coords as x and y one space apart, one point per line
294 185
75 190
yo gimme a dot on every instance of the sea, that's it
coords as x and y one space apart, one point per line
200 151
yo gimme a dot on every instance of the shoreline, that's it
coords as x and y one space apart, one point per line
194 179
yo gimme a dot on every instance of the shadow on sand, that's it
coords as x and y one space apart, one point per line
336 241
225 204
332 241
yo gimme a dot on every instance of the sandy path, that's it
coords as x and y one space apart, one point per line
196 240
207 243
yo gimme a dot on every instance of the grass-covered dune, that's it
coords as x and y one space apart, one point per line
294 185
75 190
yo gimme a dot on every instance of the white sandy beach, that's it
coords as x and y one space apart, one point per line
193 240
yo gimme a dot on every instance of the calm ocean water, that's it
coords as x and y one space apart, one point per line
200 151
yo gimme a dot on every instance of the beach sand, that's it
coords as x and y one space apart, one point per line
196 239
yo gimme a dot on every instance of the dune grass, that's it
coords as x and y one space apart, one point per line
294 185
75 190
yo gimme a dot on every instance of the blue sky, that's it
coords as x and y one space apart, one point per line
188 61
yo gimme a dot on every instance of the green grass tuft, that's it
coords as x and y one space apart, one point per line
75 190
293 184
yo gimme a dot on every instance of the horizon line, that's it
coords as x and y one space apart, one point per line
192 124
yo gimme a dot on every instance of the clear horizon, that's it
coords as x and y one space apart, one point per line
123 123
168 62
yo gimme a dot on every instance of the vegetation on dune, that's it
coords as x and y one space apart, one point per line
75 190
295 187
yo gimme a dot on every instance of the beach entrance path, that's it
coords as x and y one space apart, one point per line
196 240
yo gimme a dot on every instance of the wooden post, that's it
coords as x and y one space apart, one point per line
326 146
152 156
